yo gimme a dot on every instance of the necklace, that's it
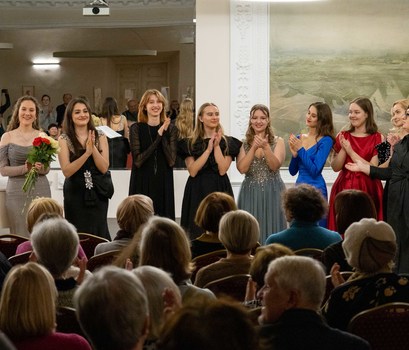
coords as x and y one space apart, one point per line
155 153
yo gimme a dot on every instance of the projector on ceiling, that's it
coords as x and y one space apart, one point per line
96 8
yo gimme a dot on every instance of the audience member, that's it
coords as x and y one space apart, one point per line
208 154
112 309
164 244
211 324
239 232
261 156
131 113
208 215
370 248
292 294
53 131
55 245
15 145
173 109
28 311
157 283
5 267
67 97
304 206
350 206
47 114
132 213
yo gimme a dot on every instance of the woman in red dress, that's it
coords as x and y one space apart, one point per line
356 143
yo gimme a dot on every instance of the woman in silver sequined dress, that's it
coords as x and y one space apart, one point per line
260 158
14 147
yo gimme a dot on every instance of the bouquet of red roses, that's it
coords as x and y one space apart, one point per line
44 150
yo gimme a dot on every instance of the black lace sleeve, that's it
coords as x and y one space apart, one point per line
169 144
140 157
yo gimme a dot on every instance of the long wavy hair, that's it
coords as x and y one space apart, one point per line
15 122
184 120
269 129
142 112
199 133
69 126
325 126
366 105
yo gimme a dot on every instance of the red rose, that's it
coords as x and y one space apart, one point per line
37 141
46 141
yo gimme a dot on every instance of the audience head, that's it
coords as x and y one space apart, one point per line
370 246
27 305
365 105
45 100
259 110
55 243
133 212
305 203
291 282
24 102
40 206
132 105
112 309
155 281
212 208
149 97
262 258
165 245
352 206
67 97
239 232
210 324
325 126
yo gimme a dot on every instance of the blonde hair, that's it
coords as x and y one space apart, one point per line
40 206
27 304
239 231
142 113
184 121
404 103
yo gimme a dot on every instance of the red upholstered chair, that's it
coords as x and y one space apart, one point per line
385 327
20 258
207 259
102 259
9 243
89 242
329 286
311 252
233 286
67 321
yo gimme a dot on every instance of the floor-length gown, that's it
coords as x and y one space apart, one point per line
206 181
152 167
309 164
260 195
365 148
12 160
84 207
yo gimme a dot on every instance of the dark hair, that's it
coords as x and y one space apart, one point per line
52 125
304 202
325 126
352 206
366 105
69 127
212 208
109 109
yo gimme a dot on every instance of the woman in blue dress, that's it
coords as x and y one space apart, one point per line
260 158
310 151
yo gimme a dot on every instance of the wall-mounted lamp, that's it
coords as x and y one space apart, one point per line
6 46
46 64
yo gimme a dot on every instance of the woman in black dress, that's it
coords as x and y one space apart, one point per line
208 155
153 142
84 160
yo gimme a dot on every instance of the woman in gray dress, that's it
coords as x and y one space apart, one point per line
260 158
14 147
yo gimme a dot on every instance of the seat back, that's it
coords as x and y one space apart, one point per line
102 259
67 321
384 327
20 258
89 242
329 286
233 286
9 243
314 253
207 259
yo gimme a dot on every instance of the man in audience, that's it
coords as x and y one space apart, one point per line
61 108
131 113
292 294
112 309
